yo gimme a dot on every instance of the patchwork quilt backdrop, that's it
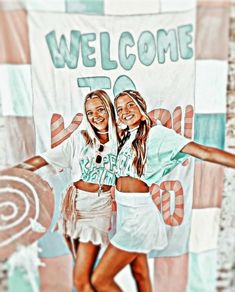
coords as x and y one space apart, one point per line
176 53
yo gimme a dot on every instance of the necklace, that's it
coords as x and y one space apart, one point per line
102 132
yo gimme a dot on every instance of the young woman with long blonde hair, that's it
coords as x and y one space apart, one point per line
146 154
86 210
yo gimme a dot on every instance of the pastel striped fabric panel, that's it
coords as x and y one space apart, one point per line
17 128
17 133
16 89
210 120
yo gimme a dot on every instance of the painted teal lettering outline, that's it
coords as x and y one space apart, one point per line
61 55
123 82
106 62
87 51
126 40
185 39
167 40
94 82
146 48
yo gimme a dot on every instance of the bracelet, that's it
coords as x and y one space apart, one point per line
26 166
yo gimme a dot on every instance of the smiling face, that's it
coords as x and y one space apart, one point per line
128 111
97 114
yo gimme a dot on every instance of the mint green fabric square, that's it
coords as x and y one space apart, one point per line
210 129
19 282
202 272
85 6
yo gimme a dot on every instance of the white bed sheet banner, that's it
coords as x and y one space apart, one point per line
72 54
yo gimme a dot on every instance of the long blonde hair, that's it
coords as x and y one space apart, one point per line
89 134
139 143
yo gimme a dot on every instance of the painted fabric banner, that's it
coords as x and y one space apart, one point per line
73 54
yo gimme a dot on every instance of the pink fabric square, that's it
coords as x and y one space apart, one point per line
212 32
14 45
208 185
57 274
171 273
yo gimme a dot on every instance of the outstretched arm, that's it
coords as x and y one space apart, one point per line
33 163
210 154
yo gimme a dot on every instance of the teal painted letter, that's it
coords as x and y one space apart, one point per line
167 40
146 48
185 39
126 40
94 82
106 62
122 83
61 55
87 51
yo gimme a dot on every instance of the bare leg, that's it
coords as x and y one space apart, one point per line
140 271
70 245
86 256
113 261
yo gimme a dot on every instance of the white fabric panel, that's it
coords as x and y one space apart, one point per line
0 106
16 90
51 5
176 5
204 229
123 7
178 236
210 89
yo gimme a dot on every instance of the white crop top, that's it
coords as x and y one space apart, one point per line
73 153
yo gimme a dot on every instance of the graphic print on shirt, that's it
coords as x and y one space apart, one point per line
124 162
103 173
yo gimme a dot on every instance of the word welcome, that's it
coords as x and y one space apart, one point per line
147 48
150 47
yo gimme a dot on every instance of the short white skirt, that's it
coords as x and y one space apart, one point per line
140 226
86 216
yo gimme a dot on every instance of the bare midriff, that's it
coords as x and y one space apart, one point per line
90 187
128 184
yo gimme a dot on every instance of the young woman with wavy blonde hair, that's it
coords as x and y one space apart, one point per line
146 154
86 210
